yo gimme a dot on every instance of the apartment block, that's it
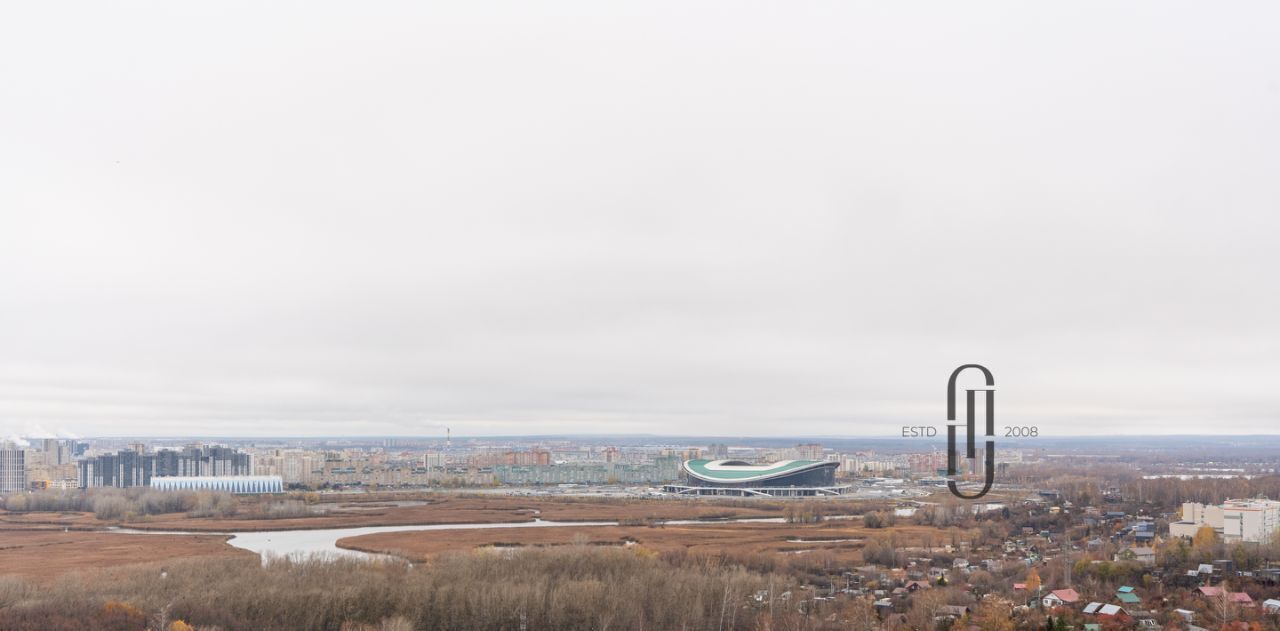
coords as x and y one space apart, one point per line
135 467
1254 520
13 471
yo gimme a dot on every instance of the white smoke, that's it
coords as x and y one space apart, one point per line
35 430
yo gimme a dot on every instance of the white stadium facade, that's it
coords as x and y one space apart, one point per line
788 478
241 484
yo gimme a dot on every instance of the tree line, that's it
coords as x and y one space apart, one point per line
554 589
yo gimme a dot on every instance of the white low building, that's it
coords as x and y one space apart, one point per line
1235 520
242 484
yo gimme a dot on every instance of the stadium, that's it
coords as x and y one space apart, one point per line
787 478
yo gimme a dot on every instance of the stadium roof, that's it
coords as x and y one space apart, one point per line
738 471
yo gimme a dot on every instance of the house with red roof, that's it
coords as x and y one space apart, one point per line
1239 598
1060 598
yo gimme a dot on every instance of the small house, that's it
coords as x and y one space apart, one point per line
1060 598
1100 609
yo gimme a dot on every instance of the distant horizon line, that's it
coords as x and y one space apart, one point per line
633 435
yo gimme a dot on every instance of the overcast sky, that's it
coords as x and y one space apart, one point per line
729 218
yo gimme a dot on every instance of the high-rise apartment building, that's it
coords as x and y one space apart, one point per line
135 467
809 451
56 451
294 466
13 470
928 463
531 457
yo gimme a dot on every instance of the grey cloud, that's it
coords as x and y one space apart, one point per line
718 218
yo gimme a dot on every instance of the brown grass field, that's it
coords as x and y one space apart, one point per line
45 545
467 510
843 537
373 510
43 555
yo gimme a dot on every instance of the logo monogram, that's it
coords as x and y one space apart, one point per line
970 451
